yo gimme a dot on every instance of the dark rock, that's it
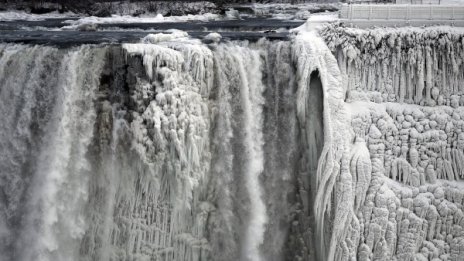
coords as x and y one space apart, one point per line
101 12
42 10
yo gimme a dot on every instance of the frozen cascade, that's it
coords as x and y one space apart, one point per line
315 148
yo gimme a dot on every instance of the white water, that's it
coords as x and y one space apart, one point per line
251 89
53 223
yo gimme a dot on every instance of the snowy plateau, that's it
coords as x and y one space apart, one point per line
268 132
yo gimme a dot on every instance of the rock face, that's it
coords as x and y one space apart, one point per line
323 147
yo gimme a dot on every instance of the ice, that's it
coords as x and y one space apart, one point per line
126 19
404 101
163 37
213 37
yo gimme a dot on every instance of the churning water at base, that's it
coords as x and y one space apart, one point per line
168 151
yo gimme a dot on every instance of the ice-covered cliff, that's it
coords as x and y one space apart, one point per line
404 89
338 144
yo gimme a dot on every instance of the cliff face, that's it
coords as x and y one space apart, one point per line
405 95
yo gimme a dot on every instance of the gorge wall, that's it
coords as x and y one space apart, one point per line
340 144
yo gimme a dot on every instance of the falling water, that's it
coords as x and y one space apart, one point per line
249 86
46 138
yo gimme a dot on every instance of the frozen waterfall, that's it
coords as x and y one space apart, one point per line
173 150
335 144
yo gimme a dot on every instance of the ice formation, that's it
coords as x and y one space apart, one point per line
338 144
124 19
404 96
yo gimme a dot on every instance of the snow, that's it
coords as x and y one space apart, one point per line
164 37
213 37
323 17
142 19
315 22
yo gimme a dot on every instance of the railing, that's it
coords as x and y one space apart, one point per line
401 12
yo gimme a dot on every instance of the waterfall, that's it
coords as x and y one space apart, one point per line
46 137
250 89
323 142
170 150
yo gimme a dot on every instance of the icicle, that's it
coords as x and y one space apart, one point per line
360 168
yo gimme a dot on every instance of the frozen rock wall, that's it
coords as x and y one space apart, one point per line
421 66
404 89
